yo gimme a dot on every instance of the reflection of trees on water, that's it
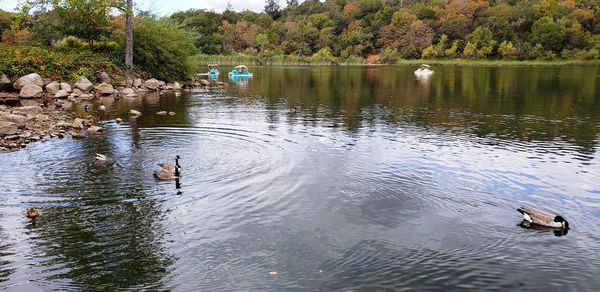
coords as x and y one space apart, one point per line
523 103
108 230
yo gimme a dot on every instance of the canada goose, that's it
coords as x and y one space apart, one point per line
101 157
542 218
167 175
32 213
170 167
87 109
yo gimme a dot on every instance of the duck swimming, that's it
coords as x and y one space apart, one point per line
32 213
541 218
170 167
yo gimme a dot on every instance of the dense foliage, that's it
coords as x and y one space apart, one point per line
74 37
17 61
393 29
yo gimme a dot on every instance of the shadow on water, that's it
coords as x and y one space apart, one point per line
352 178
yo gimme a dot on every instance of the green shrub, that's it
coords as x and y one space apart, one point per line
16 61
162 48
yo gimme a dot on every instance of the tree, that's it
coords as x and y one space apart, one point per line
292 3
547 33
481 41
262 39
272 8
129 38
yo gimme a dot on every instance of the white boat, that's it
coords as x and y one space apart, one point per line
423 71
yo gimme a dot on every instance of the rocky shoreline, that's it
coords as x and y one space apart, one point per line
33 108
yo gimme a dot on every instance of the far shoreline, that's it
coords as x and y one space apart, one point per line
233 60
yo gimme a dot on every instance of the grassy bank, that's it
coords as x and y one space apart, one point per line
499 63
283 60
275 60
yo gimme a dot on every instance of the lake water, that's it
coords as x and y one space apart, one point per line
320 179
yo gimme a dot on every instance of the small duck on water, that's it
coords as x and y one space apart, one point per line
536 217
32 213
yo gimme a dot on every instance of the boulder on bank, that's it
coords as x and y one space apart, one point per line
151 84
137 82
84 84
32 78
5 83
77 124
128 91
162 113
61 94
66 87
176 86
8 128
53 87
31 91
104 78
104 89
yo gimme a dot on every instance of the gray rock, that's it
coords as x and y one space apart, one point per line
127 91
161 84
32 78
104 78
118 120
86 96
77 135
93 130
17 119
53 87
162 113
8 128
137 82
63 124
171 113
77 124
5 83
84 84
151 84
76 92
61 94
66 87
131 95
104 89
135 113
176 86
30 110
31 90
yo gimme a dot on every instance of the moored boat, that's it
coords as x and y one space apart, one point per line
240 71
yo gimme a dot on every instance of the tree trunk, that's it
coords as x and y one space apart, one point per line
129 39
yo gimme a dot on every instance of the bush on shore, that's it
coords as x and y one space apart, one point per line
19 60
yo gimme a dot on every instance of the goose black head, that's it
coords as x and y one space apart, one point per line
562 220
177 161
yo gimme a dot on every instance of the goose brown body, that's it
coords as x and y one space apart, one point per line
542 218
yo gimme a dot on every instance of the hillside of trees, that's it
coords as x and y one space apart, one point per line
69 32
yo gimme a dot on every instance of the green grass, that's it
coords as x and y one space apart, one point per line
273 60
500 63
